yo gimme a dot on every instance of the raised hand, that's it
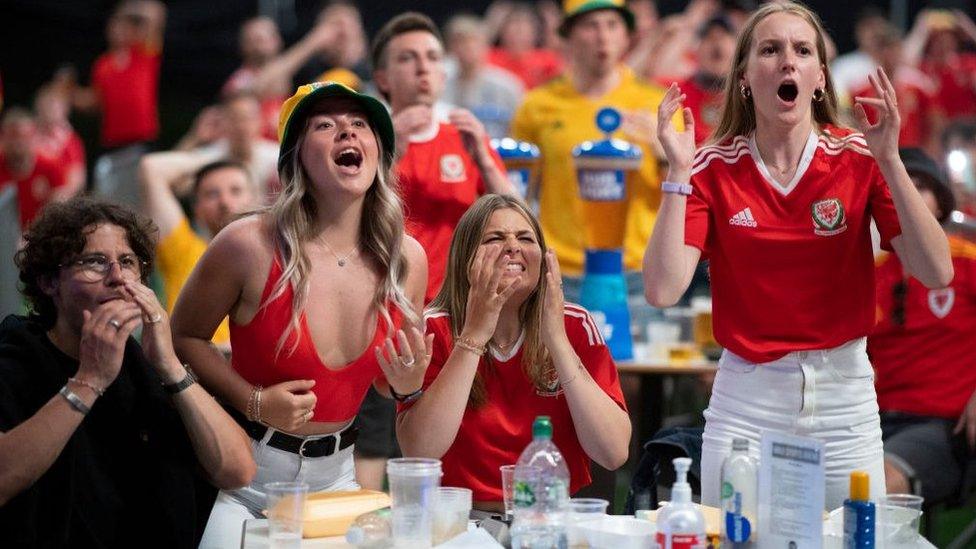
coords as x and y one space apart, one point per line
404 364
157 338
679 147
882 136
553 321
288 405
103 337
412 120
473 133
487 293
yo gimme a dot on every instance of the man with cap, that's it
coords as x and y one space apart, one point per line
561 114
922 349
446 161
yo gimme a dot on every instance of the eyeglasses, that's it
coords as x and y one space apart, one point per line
898 294
96 267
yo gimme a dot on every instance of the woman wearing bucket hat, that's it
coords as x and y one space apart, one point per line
316 287
781 205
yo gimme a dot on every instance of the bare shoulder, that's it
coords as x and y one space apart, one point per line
413 251
244 242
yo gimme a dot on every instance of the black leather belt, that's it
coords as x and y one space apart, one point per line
305 447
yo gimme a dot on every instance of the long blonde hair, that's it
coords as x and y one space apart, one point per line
381 232
453 295
738 112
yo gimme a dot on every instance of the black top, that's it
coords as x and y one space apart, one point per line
127 477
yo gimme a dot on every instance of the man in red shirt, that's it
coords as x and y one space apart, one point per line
37 179
704 89
922 350
445 165
56 139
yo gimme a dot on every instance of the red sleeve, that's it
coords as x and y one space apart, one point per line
585 337
56 173
75 151
440 326
883 208
697 216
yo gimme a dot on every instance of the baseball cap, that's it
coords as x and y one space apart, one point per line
574 8
296 110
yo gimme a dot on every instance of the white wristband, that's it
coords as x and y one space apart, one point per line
676 188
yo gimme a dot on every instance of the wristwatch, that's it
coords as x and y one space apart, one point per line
406 398
179 386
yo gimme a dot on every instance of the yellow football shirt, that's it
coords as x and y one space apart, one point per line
176 255
557 118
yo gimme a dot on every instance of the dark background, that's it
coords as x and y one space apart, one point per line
200 48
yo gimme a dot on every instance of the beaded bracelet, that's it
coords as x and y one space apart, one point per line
98 390
469 345
253 411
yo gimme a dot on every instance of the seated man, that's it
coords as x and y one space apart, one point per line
101 438
221 191
922 350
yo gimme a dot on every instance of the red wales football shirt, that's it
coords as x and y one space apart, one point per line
127 90
791 267
438 182
496 433
923 346
33 189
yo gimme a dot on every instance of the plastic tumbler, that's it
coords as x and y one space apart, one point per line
413 489
898 517
581 510
508 489
451 513
285 509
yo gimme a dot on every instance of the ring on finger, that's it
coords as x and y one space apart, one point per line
115 324
155 318
407 363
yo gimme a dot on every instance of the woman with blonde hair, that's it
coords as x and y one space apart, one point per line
781 205
312 285
506 349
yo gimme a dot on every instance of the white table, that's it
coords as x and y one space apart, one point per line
256 537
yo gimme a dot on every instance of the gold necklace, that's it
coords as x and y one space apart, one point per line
505 346
340 259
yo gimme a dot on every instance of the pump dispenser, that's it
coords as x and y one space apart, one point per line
681 524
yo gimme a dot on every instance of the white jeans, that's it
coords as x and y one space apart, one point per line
232 508
828 395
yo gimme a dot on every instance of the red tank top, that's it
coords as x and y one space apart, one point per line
339 392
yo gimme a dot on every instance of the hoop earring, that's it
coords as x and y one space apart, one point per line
746 92
819 95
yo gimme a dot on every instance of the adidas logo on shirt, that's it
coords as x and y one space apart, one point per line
744 219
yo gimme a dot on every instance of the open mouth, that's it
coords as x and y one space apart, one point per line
787 91
349 158
516 268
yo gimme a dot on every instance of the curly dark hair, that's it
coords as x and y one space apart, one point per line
60 233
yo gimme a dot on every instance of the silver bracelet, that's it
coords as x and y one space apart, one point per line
98 390
74 400
676 188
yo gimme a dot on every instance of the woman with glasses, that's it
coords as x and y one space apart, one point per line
781 205
315 286
101 436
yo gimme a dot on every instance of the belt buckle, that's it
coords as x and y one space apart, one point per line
301 447
330 446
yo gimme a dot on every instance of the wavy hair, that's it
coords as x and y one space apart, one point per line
738 112
381 234
453 295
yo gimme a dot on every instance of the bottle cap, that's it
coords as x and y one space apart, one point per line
740 444
542 427
860 486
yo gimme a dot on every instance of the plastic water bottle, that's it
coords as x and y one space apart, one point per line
371 530
541 492
739 494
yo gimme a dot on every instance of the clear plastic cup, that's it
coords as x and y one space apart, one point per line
451 513
413 489
286 510
579 511
508 489
897 519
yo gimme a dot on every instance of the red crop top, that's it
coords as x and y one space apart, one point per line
339 392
